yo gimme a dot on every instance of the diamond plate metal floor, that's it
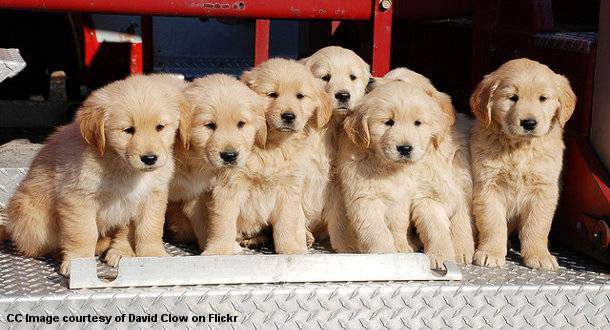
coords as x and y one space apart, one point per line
578 295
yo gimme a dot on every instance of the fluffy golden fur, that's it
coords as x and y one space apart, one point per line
516 166
267 191
400 161
227 120
95 177
344 76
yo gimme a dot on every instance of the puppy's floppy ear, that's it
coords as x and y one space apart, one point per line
186 118
324 111
91 118
357 128
448 116
567 99
480 100
260 139
248 78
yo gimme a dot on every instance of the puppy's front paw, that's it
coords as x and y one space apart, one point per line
114 255
437 260
541 261
220 249
64 268
291 249
151 251
309 239
464 256
403 246
488 259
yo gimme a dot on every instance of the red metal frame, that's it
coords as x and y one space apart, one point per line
261 41
284 9
382 40
262 10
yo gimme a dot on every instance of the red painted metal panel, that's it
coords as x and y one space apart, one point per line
261 41
287 9
382 40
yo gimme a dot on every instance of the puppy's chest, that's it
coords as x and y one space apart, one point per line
118 203
521 170
189 185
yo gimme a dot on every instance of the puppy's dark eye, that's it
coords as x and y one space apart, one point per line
241 124
326 77
160 127
417 123
272 94
514 98
390 122
211 126
352 77
129 130
300 96
542 98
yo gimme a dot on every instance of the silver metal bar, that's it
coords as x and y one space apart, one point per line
241 269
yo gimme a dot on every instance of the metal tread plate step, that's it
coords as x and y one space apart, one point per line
578 295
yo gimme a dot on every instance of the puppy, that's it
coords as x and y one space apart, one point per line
107 170
227 121
344 76
517 152
462 233
268 190
396 163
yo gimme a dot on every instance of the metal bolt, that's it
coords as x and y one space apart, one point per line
385 4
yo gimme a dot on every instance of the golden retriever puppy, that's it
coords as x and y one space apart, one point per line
267 192
227 121
344 76
517 152
462 233
344 73
107 170
395 165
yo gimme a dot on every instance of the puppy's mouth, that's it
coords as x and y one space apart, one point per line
342 110
287 129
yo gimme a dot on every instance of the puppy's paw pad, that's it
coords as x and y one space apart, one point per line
545 262
488 259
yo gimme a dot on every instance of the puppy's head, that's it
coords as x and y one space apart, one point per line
135 119
296 98
344 74
228 120
399 122
525 98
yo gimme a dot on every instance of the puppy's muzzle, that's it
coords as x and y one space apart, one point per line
528 124
229 156
149 159
404 150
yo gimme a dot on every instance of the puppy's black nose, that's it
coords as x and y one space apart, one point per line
288 117
148 159
229 156
404 150
529 124
342 96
